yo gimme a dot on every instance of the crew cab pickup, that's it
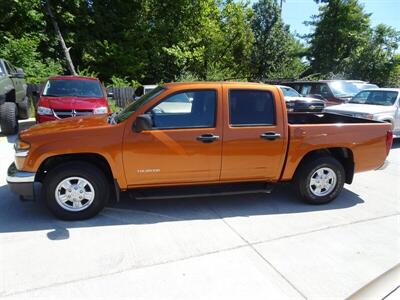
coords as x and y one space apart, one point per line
213 137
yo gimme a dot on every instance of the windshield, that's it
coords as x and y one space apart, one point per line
74 88
1 70
128 110
289 92
386 98
343 88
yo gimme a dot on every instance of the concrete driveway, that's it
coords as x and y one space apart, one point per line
237 247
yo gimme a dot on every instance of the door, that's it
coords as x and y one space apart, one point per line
19 83
184 145
255 135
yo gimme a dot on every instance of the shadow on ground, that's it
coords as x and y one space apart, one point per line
17 216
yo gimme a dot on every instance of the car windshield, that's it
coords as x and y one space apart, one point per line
128 110
289 92
1 70
386 98
343 88
73 88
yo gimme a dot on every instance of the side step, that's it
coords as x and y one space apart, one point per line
201 190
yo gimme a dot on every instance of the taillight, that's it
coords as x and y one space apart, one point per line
389 141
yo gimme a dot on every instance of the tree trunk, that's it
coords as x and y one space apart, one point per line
60 37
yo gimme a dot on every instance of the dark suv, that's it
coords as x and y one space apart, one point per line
332 91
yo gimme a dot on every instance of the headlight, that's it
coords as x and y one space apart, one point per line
41 110
21 147
100 110
365 116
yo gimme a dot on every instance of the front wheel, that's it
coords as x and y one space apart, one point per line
320 181
75 191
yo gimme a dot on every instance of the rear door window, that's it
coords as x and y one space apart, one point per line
251 108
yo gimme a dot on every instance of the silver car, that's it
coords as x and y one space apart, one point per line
381 104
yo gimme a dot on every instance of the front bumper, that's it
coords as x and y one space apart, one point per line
21 182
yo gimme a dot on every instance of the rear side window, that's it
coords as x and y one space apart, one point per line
251 108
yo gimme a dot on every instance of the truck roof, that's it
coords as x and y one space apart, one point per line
173 84
72 77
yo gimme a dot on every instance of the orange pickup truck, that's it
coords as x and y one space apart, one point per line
186 138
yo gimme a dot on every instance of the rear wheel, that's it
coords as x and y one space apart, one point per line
75 191
23 109
320 181
9 118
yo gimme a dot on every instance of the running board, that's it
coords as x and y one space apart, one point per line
201 191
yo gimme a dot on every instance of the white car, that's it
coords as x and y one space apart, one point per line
381 104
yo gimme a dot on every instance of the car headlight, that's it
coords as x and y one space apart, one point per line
365 116
21 147
41 110
100 110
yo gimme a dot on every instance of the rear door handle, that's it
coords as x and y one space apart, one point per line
270 136
207 138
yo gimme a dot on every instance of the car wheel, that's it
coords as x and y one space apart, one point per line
23 109
320 181
76 191
8 118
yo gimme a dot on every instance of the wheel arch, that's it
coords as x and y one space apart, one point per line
10 95
342 154
94 158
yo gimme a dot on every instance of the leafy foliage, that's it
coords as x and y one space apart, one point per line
275 53
24 53
124 42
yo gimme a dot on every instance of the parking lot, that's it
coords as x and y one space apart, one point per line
252 246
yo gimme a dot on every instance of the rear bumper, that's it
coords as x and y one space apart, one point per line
21 182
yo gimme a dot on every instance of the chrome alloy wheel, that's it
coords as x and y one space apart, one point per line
74 194
323 182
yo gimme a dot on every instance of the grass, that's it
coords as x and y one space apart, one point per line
113 106
31 109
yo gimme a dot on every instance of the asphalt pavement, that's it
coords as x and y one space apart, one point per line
252 246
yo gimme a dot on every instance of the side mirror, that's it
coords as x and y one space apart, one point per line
139 92
19 73
110 94
143 122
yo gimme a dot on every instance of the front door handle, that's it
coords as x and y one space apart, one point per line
270 136
207 138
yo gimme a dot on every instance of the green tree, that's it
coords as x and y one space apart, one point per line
275 53
377 62
341 30
219 48
23 52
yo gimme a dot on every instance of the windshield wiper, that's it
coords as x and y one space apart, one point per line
50 95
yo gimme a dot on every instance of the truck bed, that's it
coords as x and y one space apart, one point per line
364 140
325 118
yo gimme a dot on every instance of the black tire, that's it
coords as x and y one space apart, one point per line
23 109
304 176
9 118
83 170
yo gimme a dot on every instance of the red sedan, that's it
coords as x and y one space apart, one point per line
70 96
